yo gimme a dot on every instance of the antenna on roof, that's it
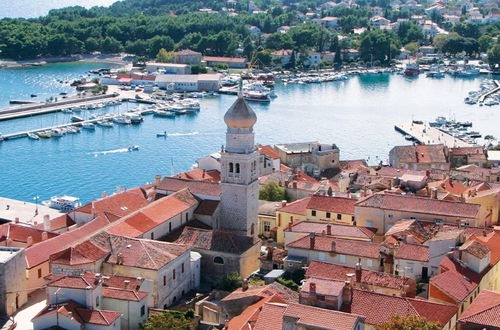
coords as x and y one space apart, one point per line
240 88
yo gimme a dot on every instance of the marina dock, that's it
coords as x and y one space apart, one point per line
490 92
425 134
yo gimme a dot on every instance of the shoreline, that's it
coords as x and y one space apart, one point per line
120 60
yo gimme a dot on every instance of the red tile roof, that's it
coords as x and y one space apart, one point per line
215 240
270 317
308 316
323 286
332 204
269 152
200 175
207 207
224 59
339 273
81 315
342 246
419 205
195 187
379 308
117 281
484 311
153 215
337 230
421 153
83 253
298 207
18 232
449 185
58 223
477 249
414 252
119 204
72 282
454 284
123 294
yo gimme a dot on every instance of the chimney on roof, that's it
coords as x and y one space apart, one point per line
328 229
294 184
434 193
283 203
126 283
46 222
427 173
347 293
286 184
358 270
45 236
104 194
312 288
334 246
270 253
312 240
484 233
157 179
119 259
29 241
16 220
204 172
244 286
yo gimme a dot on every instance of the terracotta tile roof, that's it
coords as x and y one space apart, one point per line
342 246
270 317
379 308
469 151
63 221
357 165
200 175
484 311
332 204
413 228
19 233
269 152
308 316
414 252
123 294
153 215
448 185
119 204
215 240
419 205
323 287
41 252
117 281
451 264
492 241
83 253
421 153
248 318
477 249
195 187
272 289
337 230
297 207
207 207
454 284
81 315
339 273
224 59
389 171
73 282
139 253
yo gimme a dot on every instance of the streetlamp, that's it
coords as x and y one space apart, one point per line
36 199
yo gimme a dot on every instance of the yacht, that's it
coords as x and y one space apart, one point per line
57 132
67 110
135 118
33 136
256 96
44 134
88 126
164 113
412 70
122 119
104 123
63 203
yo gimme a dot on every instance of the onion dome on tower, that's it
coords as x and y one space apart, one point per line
240 115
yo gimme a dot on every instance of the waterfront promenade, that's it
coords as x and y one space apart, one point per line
425 134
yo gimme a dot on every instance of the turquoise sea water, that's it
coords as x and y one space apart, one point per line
35 8
358 115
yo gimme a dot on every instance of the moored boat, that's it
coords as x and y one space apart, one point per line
63 203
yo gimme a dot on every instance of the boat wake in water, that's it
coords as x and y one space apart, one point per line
183 134
114 151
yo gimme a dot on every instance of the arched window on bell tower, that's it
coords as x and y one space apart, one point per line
231 168
237 167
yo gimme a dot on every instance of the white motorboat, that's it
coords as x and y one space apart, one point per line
67 110
104 123
33 136
63 203
122 119
89 126
256 96
133 148
76 119
164 113
57 132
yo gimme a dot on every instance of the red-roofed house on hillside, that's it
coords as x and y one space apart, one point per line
420 157
483 313
382 210
314 247
126 295
364 279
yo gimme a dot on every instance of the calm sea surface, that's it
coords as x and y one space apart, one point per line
35 8
358 115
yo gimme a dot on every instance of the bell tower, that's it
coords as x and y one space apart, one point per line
239 172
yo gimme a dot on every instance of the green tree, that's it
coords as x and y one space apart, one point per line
263 57
412 47
378 46
410 322
230 282
494 55
196 69
165 56
167 321
485 41
157 43
272 192
111 45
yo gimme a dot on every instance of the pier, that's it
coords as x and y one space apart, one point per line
488 93
27 110
425 134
